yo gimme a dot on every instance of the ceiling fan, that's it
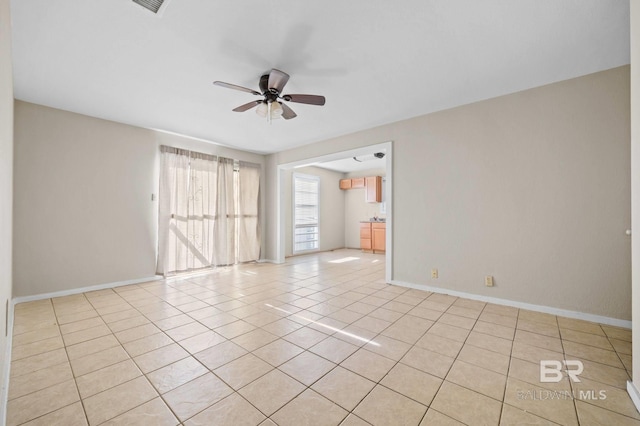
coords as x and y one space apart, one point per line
271 105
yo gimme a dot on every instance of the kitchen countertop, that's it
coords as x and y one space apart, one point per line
373 221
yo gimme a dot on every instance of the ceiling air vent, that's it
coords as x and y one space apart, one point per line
152 5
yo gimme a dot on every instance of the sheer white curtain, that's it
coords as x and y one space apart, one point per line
173 210
248 201
208 213
225 229
202 208
187 210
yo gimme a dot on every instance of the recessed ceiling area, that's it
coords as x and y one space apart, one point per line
375 62
348 165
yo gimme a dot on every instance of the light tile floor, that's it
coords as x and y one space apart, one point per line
320 340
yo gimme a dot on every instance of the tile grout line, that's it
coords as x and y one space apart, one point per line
129 358
309 387
456 358
73 374
143 374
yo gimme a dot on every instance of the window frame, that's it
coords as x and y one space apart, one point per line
317 179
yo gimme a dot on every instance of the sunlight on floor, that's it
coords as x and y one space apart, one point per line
344 333
345 259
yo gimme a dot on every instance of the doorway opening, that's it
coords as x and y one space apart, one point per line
377 212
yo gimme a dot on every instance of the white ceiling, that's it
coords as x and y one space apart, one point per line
375 61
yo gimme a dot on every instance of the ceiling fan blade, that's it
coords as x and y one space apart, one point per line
235 87
287 113
277 80
247 106
305 99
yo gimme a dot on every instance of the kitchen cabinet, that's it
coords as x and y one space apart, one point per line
378 237
373 189
373 236
365 236
358 182
352 183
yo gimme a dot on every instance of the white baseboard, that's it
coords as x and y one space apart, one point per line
521 305
73 291
4 391
634 394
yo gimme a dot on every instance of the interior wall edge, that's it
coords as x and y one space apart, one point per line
6 368
6 198
634 21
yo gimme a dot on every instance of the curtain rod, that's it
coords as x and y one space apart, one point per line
188 152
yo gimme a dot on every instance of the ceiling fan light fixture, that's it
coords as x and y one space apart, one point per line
276 110
262 110
270 110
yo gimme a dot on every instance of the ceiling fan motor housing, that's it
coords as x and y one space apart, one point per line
270 94
264 86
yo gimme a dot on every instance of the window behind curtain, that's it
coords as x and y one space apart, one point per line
306 212
248 199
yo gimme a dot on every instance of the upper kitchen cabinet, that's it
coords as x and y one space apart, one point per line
372 186
345 184
352 183
358 182
373 189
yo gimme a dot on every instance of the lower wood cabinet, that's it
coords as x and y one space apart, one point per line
378 237
373 236
365 236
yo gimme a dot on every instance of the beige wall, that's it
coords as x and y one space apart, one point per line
331 208
6 184
357 209
83 210
532 188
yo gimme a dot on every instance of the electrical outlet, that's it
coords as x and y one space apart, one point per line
434 273
488 281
